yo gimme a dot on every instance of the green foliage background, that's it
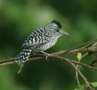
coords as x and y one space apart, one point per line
18 18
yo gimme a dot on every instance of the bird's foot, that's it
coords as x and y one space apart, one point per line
47 55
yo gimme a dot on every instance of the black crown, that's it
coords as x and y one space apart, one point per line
58 23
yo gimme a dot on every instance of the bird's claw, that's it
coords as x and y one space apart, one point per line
47 57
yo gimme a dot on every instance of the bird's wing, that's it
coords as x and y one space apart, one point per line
32 45
35 41
37 37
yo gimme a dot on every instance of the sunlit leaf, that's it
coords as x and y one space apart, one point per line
94 84
79 56
81 87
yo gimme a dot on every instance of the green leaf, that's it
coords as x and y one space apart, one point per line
94 84
81 87
21 64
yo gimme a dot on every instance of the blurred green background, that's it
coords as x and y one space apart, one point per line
18 18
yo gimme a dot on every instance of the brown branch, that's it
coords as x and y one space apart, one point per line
12 60
88 87
90 49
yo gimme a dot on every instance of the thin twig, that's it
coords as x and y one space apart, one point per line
84 45
82 64
77 77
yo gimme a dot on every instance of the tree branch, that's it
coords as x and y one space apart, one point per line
12 60
88 87
85 47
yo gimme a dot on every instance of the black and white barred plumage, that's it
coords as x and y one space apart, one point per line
40 40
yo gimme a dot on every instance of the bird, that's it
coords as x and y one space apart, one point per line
41 39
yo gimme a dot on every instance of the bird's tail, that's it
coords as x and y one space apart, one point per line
23 55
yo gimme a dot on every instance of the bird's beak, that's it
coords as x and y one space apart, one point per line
65 33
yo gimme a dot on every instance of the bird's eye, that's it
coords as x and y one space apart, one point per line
57 30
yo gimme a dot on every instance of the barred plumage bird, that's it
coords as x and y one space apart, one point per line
40 40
